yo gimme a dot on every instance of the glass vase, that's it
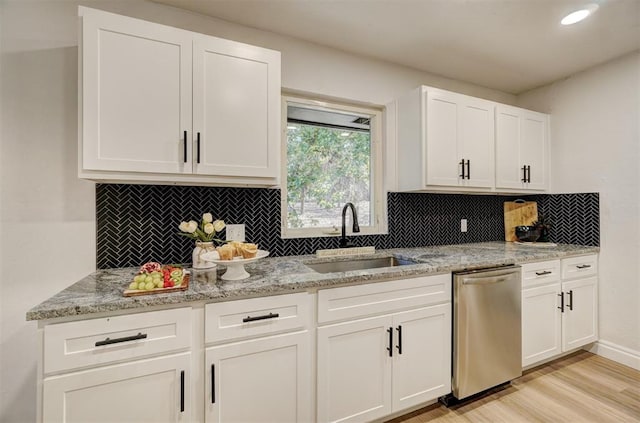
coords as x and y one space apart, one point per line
201 248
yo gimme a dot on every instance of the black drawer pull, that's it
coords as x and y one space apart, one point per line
583 266
561 295
544 272
184 148
263 317
213 384
109 341
182 391
198 141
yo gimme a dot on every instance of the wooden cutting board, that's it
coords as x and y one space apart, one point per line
518 213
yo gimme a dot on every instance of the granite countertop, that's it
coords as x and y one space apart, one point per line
102 291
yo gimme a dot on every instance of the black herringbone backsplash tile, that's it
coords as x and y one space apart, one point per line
139 223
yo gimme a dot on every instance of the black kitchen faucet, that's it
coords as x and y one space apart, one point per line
356 228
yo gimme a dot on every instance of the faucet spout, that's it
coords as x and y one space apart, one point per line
356 228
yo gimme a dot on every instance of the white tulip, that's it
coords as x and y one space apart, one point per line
208 228
192 226
184 226
218 225
207 218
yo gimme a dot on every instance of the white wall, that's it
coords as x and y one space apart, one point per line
595 147
47 215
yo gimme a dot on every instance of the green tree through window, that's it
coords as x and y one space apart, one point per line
327 167
330 161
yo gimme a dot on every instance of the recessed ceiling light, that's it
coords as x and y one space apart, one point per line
578 15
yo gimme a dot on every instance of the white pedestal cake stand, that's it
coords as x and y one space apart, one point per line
235 268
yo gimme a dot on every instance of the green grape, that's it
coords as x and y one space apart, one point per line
133 285
148 279
149 286
139 278
159 283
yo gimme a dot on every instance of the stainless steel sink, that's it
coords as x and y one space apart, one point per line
356 264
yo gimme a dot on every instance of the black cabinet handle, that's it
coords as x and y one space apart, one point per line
182 391
184 150
524 174
462 164
468 169
109 341
198 147
570 305
561 295
529 174
213 384
583 266
399 346
544 272
390 347
263 317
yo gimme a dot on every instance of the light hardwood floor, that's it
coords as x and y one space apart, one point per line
582 387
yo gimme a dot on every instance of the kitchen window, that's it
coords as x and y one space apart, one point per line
331 156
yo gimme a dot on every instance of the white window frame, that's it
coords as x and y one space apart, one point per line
378 196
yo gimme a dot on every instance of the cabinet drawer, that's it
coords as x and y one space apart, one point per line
579 267
109 339
383 297
256 317
542 273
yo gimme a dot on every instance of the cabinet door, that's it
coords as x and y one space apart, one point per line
509 172
533 145
580 319
476 128
442 161
261 380
422 355
136 95
236 97
541 323
354 370
154 390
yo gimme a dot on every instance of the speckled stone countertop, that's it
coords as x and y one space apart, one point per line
102 291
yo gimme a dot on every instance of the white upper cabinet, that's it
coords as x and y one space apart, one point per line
236 97
453 142
136 95
445 140
521 149
160 104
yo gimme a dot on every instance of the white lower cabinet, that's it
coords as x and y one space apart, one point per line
354 370
541 323
260 380
152 390
559 313
421 367
579 321
371 367
258 360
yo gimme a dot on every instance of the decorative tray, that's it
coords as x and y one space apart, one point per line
235 268
182 287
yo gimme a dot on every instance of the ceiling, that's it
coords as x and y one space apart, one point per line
508 45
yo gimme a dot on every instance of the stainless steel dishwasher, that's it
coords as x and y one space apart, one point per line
487 331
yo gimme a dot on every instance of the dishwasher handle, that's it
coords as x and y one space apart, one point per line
485 281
